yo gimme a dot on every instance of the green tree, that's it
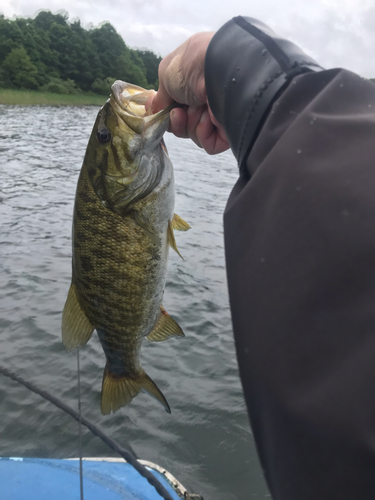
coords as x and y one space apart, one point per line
37 45
88 62
151 62
45 19
22 72
58 86
65 45
55 50
102 86
131 69
109 46
10 37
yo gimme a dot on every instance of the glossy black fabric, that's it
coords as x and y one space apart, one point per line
300 251
245 47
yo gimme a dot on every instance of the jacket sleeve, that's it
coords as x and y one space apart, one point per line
300 250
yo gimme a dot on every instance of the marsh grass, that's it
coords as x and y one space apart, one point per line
32 97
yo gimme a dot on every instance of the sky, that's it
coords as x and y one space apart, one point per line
337 33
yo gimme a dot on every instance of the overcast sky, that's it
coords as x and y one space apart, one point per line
337 33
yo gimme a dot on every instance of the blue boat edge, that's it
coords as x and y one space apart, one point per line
104 478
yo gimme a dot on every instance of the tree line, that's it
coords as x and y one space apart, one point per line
51 54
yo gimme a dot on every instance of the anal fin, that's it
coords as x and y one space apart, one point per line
118 391
76 329
165 328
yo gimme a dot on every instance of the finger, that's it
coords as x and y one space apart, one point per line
161 100
194 115
212 138
212 117
184 122
196 124
148 105
178 122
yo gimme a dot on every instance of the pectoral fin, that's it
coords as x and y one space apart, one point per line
179 224
118 391
76 328
145 225
171 240
165 328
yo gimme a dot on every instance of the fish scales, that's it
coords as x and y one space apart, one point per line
122 260
122 226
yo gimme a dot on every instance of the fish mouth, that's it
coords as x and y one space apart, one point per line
128 101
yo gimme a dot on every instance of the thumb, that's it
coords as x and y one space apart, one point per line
170 83
160 100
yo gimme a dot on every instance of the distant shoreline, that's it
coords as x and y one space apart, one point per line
33 97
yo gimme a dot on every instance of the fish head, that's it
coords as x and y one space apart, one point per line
124 155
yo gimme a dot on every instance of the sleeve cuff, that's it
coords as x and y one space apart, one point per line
246 66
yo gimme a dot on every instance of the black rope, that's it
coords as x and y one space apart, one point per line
95 430
79 426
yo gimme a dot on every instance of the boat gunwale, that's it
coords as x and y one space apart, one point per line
175 483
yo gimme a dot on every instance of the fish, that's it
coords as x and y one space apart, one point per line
123 226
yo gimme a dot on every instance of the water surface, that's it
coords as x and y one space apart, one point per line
206 442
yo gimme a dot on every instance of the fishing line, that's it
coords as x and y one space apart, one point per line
95 430
80 427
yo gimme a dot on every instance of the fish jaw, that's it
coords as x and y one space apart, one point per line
128 101
131 98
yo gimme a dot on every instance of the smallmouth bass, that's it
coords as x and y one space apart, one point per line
122 227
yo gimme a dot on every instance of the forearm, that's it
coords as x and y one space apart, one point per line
246 66
300 246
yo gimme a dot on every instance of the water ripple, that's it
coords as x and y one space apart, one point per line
206 442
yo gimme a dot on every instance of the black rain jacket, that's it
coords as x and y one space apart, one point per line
300 251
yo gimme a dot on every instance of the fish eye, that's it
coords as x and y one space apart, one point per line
104 135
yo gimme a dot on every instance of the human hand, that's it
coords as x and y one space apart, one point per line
181 80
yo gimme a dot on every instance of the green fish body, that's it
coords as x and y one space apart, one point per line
122 228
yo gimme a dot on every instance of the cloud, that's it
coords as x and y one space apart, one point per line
155 36
337 33
337 38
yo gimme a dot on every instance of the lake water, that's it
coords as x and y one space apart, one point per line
206 442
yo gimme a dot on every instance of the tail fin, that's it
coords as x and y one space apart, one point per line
119 391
